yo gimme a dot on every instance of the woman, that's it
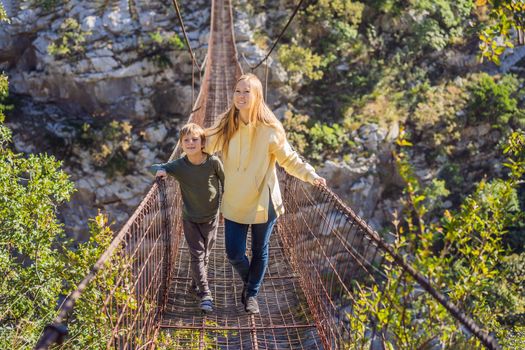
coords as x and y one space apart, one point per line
251 140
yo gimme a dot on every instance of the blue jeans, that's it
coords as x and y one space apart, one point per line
235 234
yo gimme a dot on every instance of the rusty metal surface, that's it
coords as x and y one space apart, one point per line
284 322
136 267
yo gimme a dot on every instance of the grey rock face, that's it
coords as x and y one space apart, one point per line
362 179
117 74
122 74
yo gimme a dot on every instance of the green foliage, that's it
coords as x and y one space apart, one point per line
71 43
5 133
424 25
451 174
347 11
166 41
374 64
160 43
337 20
442 112
108 144
3 14
300 61
436 115
466 264
318 140
31 188
496 35
330 27
439 105
91 324
380 107
436 23
4 87
48 5
496 100
261 39
38 263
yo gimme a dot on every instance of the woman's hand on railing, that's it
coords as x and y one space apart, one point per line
320 181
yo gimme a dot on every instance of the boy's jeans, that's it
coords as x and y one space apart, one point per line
200 238
235 238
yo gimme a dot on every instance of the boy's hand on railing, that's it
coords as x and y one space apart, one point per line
161 174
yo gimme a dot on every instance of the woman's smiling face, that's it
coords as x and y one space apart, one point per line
243 95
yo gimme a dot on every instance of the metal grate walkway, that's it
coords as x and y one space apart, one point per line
284 321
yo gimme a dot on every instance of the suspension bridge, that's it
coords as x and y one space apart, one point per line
319 253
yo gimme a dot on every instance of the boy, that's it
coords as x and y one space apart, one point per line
201 179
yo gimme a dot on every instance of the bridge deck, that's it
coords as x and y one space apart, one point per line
284 321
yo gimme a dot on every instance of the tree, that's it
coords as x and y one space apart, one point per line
462 255
31 188
38 264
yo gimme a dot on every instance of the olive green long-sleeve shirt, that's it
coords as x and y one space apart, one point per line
200 186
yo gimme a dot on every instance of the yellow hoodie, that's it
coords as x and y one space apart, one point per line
249 172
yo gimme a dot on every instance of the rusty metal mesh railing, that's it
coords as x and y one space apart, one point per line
133 274
349 273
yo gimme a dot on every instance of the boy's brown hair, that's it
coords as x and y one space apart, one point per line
192 129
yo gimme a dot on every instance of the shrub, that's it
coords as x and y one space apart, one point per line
108 144
317 140
300 61
3 14
31 243
496 34
296 130
160 43
496 100
71 43
437 22
466 265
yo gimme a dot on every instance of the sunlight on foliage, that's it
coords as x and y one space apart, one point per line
72 40
461 255
300 61
39 264
318 140
3 14
507 21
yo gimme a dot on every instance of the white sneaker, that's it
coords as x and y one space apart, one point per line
206 303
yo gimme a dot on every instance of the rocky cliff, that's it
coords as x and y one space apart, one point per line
104 86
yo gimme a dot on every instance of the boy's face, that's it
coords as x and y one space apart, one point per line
191 144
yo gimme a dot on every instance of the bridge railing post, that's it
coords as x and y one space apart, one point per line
166 238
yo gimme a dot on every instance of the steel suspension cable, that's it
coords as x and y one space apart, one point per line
280 35
194 60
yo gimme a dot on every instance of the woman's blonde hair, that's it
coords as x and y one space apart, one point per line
259 113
